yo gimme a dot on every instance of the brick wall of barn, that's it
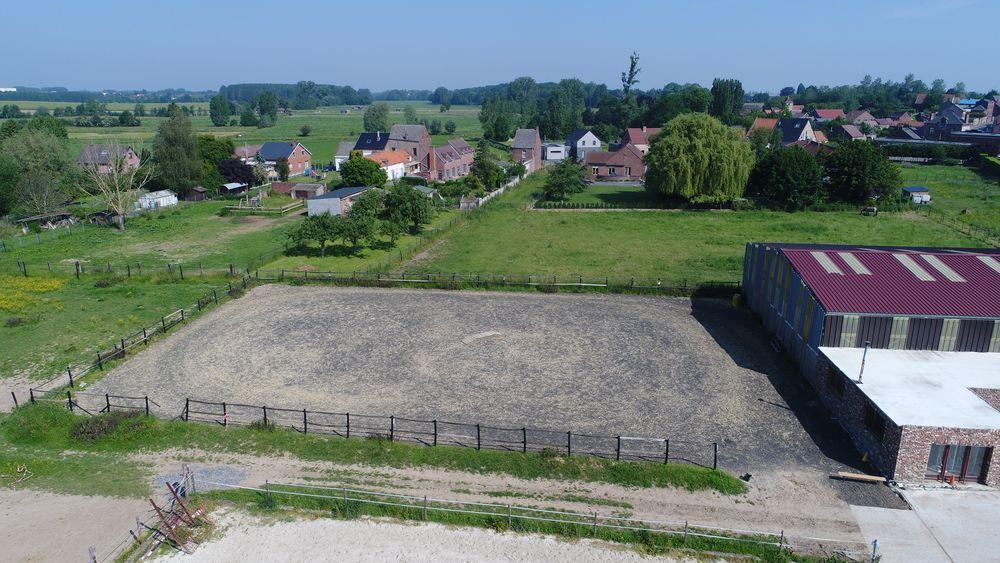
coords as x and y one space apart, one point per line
849 411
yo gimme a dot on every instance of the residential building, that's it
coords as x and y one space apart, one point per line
795 129
967 115
527 149
337 202
102 157
624 164
765 123
156 200
822 115
368 143
415 141
453 159
299 158
814 148
848 132
581 142
344 149
395 163
639 137
929 319
554 151
247 153
860 116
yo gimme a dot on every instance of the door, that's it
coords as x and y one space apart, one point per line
965 463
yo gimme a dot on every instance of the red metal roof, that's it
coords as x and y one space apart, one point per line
901 281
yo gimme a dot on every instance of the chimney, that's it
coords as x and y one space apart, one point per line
378 135
643 128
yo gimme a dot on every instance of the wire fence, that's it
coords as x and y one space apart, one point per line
457 280
131 343
423 507
126 270
16 243
447 433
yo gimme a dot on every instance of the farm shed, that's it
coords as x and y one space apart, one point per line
197 193
306 191
918 414
337 202
918 194
234 188
156 200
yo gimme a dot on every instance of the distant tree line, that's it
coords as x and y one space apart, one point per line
302 95
881 97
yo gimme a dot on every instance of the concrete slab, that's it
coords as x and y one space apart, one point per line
901 535
963 521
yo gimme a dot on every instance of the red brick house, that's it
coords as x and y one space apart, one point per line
624 164
415 141
454 159
299 158
527 149
639 137
102 156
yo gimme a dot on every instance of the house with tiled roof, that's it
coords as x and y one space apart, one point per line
860 116
639 137
299 157
795 129
527 149
822 115
395 163
416 141
625 163
848 132
454 159
104 156
581 142
765 123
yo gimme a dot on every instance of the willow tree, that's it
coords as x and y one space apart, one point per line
698 158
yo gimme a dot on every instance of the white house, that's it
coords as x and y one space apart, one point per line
156 200
395 163
344 149
582 142
337 202
554 151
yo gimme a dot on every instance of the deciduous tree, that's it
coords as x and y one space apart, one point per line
377 117
118 185
360 171
859 170
564 178
789 177
410 207
219 110
175 153
282 169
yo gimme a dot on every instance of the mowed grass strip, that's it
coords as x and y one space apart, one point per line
50 426
675 246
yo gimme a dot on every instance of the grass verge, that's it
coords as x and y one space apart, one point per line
51 427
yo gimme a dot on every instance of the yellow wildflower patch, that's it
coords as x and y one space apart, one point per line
18 292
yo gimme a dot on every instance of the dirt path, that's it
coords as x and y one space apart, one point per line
779 502
247 538
37 526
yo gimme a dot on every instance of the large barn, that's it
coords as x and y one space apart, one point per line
902 344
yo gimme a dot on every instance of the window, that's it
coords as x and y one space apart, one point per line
596 171
953 460
836 383
874 420
612 171
414 151
593 143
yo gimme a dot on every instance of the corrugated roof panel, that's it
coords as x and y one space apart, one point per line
913 267
826 263
942 268
893 289
991 262
854 264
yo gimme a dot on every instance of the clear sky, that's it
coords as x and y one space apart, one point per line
388 44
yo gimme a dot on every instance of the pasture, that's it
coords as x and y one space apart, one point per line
329 127
960 193
674 245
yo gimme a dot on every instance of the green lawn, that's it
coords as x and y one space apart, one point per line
192 234
329 127
62 321
616 194
693 246
955 189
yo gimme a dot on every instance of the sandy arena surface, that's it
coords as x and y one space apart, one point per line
248 538
39 526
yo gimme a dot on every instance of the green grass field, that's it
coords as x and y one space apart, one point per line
676 246
959 192
62 321
27 105
329 127
616 194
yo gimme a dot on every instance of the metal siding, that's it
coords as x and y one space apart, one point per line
875 330
974 336
995 339
897 337
849 332
832 328
949 332
923 334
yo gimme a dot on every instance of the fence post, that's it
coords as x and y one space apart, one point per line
69 401
100 361
618 450
265 416
781 542
13 396
107 402
225 415
31 395
128 269
180 268
392 428
231 270
147 405
215 296
524 440
123 347
569 443
305 422
348 425
145 338
666 452
182 315
138 266
479 441
163 323
435 432
78 269
715 455
69 372
187 409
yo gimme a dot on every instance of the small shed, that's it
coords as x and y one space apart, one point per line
197 193
306 191
234 188
156 200
918 194
337 202
429 192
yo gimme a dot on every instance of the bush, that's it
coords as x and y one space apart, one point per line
96 427
13 321
104 282
262 425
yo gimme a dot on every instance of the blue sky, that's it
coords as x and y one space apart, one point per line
387 44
